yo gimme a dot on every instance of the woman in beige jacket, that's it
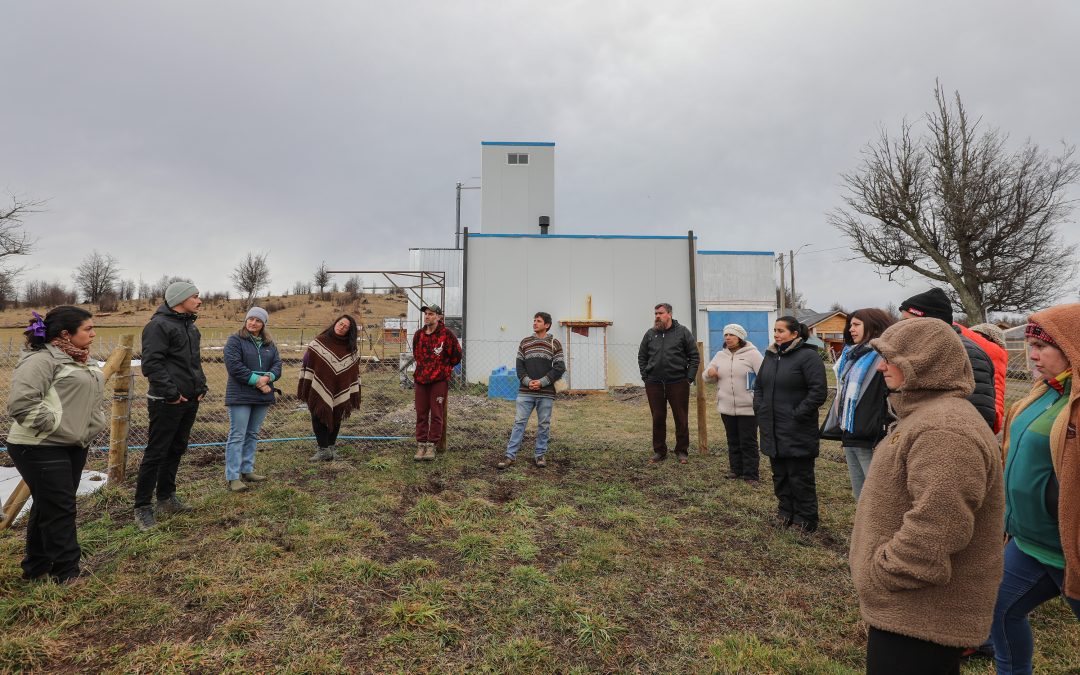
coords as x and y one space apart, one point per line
733 369
926 553
57 404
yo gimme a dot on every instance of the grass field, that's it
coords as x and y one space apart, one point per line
599 563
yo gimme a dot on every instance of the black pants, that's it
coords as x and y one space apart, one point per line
676 395
892 654
170 429
52 473
324 435
742 445
796 491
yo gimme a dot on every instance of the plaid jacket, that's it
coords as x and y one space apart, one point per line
436 354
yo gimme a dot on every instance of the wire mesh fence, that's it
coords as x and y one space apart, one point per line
482 387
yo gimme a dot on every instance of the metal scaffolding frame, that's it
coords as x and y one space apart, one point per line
414 292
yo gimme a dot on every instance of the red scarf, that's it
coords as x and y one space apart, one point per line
64 345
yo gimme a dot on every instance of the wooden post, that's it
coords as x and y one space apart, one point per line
14 504
702 404
441 445
121 412
119 360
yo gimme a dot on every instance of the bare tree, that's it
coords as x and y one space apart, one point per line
790 302
301 288
158 288
96 275
353 286
14 241
125 289
251 275
958 208
47 294
322 279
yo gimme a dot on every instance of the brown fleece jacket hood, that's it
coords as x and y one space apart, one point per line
926 548
1062 323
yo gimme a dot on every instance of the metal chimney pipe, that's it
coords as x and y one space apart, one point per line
545 223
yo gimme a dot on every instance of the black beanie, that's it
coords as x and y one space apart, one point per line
933 303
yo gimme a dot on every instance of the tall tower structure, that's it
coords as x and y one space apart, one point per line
518 186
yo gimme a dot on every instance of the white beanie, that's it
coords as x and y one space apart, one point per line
736 330
259 313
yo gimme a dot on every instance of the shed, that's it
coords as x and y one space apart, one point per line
827 326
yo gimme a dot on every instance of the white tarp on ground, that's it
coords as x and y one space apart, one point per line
92 481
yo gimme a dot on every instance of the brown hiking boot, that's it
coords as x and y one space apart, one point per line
420 452
541 462
658 457
506 463
238 486
429 452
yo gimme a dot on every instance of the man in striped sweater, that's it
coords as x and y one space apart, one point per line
540 364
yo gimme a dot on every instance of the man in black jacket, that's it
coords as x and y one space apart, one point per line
171 361
668 360
936 305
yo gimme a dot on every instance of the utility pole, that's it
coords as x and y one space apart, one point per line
783 292
794 298
457 218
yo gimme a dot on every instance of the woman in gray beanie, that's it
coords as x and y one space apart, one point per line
253 364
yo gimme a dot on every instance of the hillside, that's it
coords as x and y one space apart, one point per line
285 311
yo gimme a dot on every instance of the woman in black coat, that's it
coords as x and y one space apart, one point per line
789 390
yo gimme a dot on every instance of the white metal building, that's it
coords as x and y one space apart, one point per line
518 186
599 289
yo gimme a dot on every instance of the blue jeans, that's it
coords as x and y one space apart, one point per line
858 466
244 423
525 405
1027 584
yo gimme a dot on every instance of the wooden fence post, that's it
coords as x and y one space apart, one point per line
702 404
121 413
119 360
441 445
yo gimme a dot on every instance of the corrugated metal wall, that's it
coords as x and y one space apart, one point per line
512 277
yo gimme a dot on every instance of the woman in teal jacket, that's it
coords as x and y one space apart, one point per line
253 364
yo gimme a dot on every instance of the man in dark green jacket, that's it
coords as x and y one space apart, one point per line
668 360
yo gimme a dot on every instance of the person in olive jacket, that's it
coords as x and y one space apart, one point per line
789 390
172 362
668 361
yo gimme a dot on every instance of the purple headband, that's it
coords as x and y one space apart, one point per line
37 326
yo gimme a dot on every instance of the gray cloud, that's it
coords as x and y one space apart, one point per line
181 136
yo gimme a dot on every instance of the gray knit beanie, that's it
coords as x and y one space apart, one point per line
259 313
179 291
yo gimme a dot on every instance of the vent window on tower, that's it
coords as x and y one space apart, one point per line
517 158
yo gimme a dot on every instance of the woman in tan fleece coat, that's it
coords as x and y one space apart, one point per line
926 552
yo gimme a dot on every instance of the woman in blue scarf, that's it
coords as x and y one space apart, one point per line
859 413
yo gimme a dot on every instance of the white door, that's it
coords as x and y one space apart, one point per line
586 367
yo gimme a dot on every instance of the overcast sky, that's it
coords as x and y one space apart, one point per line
178 136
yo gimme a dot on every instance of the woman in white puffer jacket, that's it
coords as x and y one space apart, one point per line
733 369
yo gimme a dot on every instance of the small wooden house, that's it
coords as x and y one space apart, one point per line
395 331
826 326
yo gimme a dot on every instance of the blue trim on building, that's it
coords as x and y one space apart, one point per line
736 253
575 236
524 143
